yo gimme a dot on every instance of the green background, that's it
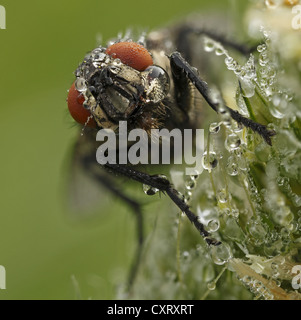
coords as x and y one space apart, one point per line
41 246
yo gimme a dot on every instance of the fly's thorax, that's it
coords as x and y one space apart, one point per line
183 100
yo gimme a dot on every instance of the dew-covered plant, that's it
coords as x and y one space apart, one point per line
248 195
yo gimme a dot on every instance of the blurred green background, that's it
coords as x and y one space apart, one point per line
40 246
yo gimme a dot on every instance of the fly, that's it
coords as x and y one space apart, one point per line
150 84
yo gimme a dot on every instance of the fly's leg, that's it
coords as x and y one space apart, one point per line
180 66
183 44
135 206
166 187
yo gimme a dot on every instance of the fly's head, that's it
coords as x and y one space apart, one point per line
118 83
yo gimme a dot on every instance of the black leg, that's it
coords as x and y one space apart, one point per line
180 65
93 169
239 47
183 44
165 186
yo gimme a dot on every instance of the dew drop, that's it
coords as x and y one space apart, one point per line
209 161
213 225
97 55
214 128
296 200
185 255
261 48
263 58
235 213
228 60
219 51
221 254
232 66
275 112
232 142
150 191
190 184
238 70
222 196
195 175
242 163
211 285
209 45
232 166
80 84
188 195
258 232
237 127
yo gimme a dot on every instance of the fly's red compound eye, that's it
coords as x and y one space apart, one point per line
132 54
78 112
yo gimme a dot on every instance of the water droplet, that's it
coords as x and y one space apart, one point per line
242 163
195 175
271 72
190 184
258 232
188 195
209 45
237 127
80 84
211 285
213 225
238 70
296 200
222 196
232 166
185 255
275 112
150 191
228 60
263 58
221 254
232 66
226 211
214 128
210 161
282 215
232 142
261 48
219 51
98 55
235 213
